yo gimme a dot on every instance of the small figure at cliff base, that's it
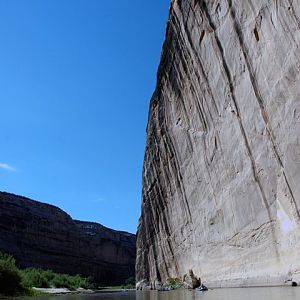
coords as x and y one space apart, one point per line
202 288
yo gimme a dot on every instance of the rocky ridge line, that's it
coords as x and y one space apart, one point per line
43 236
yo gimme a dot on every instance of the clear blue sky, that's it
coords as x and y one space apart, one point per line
76 78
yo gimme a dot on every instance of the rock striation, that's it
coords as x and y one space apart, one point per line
221 192
44 236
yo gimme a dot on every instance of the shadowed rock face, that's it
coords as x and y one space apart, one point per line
42 235
221 192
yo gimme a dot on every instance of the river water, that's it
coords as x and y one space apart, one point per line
262 293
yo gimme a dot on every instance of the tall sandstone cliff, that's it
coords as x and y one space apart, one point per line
221 176
44 236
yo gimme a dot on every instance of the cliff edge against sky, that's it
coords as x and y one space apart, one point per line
44 236
221 192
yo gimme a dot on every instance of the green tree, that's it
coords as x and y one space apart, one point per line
10 277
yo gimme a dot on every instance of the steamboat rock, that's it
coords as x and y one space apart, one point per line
44 236
221 175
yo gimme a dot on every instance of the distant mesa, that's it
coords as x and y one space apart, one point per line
44 236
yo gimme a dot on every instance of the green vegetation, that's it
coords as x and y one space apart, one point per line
174 283
129 283
14 281
45 279
10 276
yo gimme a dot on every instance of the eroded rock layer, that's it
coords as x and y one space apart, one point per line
221 176
44 236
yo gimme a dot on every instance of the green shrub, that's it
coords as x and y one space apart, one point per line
71 282
129 283
20 282
46 278
130 280
174 283
10 277
35 278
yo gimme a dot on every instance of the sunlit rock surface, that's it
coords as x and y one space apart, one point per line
221 177
42 235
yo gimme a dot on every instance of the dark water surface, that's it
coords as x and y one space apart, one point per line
265 293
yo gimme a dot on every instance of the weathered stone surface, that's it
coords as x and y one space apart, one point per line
221 192
191 281
42 235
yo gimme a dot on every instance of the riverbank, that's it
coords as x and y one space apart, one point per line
65 291
35 282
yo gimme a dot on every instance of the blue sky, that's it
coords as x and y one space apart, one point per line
76 78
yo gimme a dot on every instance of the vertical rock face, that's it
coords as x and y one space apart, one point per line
221 192
43 236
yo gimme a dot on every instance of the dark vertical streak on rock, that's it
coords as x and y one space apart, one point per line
178 177
187 56
202 36
256 34
231 88
292 195
202 74
159 206
258 96
200 63
251 73
293 13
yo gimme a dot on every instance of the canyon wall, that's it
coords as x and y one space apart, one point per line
44 236
221 175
